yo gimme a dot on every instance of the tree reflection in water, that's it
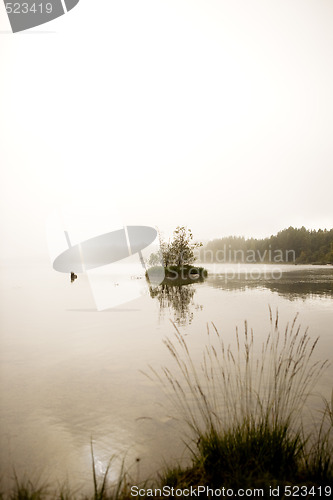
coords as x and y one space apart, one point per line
179 298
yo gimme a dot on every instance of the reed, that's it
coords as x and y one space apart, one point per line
243 405
229 387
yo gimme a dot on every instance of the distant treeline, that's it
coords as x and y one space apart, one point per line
300 246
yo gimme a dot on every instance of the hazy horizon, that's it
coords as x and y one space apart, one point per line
212 114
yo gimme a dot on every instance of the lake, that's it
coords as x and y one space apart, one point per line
71 375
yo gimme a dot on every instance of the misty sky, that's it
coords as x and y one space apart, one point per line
215 114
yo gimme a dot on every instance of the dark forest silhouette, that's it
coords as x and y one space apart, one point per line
301 246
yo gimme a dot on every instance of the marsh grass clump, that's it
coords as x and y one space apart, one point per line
26 489
243 404
243 455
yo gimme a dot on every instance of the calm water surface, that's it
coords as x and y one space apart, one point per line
70 374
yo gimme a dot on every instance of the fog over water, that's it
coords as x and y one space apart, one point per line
70 373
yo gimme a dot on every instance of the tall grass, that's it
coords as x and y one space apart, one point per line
243 405
269 385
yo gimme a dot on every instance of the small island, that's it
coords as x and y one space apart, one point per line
175 260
